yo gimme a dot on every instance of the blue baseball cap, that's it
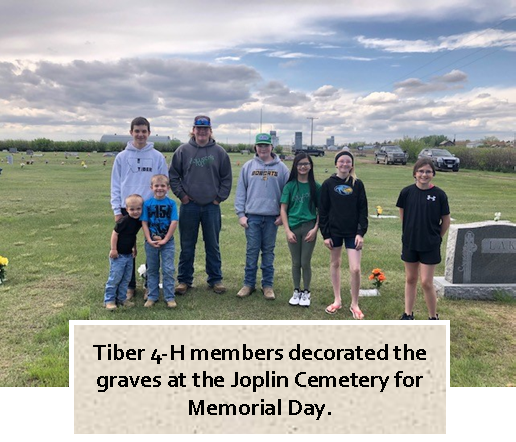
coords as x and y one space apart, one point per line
202 121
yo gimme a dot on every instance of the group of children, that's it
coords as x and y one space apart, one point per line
268 196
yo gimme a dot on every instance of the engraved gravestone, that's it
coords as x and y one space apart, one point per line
481 253
480 258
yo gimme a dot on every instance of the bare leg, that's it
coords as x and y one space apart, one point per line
354 270
335 263
427 282
411 274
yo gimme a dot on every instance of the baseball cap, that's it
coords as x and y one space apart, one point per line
263 139
202 121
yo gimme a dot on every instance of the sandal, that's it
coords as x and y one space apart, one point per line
332 309
357 313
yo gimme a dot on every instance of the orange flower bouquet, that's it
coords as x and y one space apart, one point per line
377 278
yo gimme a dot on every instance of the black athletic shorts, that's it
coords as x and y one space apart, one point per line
428 257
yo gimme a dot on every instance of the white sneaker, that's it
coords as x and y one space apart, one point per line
295 298
305 299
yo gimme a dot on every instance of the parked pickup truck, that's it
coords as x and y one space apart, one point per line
390 155
312 151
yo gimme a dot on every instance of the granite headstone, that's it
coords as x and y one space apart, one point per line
480 259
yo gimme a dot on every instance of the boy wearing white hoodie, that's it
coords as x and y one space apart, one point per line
132 172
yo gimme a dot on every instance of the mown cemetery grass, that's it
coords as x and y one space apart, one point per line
56 222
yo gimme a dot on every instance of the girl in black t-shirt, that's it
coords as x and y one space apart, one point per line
425 217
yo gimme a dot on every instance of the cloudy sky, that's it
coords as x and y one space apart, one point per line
366 70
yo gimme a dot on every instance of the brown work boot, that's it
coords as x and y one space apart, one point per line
130 294
218 288
268 293
148 303
128 303
245 291
172 303
182 288
146 294
110 305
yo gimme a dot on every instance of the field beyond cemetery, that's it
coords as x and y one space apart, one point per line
56 222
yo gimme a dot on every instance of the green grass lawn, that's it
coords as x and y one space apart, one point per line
56 222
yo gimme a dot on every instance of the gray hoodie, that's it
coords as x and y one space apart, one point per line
202 173
260 186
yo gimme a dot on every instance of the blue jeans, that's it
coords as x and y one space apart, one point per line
190 216
120 271
261 236
154 255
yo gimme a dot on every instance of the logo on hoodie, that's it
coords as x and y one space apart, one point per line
203 161
140 164
343 190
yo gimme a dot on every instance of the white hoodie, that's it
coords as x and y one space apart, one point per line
132 172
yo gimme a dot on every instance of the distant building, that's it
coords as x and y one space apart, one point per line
275 139
475 144
126 138
446 143
330 141
298 143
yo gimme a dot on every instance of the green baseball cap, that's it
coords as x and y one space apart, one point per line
263 139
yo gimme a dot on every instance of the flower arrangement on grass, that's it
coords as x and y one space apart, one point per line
377 278
379 211
497 216
3 264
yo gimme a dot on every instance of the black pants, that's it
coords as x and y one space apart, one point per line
132 282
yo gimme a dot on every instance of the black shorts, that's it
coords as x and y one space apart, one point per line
348 242
428 257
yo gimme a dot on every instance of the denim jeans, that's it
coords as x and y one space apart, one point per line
261 236
160 257
120 270
190 216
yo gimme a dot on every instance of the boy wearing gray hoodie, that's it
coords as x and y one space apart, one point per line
257 205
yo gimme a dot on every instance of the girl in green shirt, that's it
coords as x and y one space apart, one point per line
299 202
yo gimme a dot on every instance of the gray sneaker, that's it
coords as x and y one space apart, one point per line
305 299
296 296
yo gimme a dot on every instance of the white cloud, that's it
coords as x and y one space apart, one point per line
486 38
79 69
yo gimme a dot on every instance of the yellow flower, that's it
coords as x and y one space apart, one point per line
3 261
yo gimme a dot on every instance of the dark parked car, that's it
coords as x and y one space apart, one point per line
442 159
390 155
312 151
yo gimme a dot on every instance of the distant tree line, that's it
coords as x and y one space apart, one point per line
46 145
